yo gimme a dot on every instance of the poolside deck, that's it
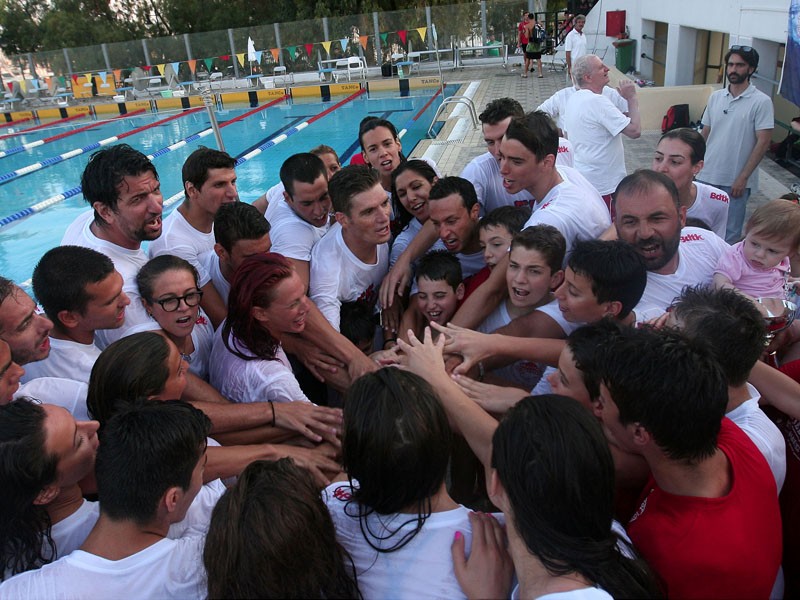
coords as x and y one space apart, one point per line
497 82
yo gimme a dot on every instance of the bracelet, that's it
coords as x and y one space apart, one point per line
389 340
481 371
272 406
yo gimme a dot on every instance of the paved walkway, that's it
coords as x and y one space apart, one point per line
458 142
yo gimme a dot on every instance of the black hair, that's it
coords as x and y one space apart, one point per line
587 345
547 241
236 221
304 168
349 181
369 123
396 443
440 265
690 137
130 368
447 186
726 321
555 466
201 161
148 447
62 275
499 109
357 321
513 218
421 168
26 469
106 170
749 56
537 132
682 412
642 182
616 270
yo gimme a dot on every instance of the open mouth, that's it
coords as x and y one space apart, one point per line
520 293
387 164
154 224
434 315
417 207
184 320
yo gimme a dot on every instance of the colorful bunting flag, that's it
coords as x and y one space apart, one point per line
327 45
88 78
209 63
403 35
192 64
275 52
240 58
309 49
175 66
422 31
103 76
225 57
364 39
258 55
161 68
292 51
343 42
147 68
117 75
384 36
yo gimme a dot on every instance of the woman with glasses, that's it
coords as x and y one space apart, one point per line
267 300
170 293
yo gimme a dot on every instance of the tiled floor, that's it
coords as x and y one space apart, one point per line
458 142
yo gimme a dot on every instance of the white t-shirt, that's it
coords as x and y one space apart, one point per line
588 593
699 252
575 43
711 207
274 197
179 238
337 275
594 125
70 533
167 569
565 156
404 238
66 393
202 340
255 380
127 263
763 433
211 262
556 105
67 359
423 568
574 208
292 236
484 173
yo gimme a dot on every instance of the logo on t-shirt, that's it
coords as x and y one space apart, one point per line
716 196
201 320
369 296
642 508
343 493
691 237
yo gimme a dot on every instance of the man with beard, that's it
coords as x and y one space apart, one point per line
649 216
122 186
738 125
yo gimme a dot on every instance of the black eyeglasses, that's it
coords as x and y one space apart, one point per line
172 304
742 48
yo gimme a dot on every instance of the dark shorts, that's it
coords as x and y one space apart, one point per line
533 55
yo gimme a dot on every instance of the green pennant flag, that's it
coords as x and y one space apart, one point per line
292 51
384 36
209 63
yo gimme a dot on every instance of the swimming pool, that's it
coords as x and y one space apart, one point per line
23 242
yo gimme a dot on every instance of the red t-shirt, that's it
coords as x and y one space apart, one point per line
523 39
727 547
474 281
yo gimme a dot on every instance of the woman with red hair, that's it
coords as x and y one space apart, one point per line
248 364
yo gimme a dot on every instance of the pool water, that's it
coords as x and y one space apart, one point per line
23 242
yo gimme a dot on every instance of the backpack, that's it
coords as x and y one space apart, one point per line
539 35
677 116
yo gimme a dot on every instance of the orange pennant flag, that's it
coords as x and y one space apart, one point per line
275 52
117 75
363 39
191 64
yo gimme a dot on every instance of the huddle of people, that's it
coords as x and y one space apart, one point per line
379 381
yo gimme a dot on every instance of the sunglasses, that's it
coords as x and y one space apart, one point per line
742 48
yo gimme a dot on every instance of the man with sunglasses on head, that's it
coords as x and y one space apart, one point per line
737 125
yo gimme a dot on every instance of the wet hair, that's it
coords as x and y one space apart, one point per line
25 469
7 288
642 182
62 275
201 161
537 132
447 186
728 323
369 123
682 412
253 285
271 536
556 468
690 137
513 218
440 265
130 368
500 109
616 270
236 221
776 220
695 222
749 56
586 345
303 168
421 168
155 267
349 181
323 149
547 241
106 170
357 321
396 443
148 447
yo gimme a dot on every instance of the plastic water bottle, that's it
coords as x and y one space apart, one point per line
400 73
